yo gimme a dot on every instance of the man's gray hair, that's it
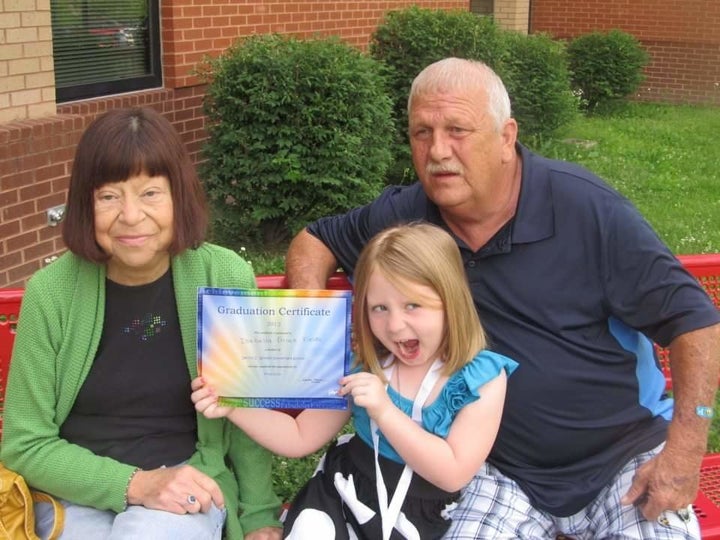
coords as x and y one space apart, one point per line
457 74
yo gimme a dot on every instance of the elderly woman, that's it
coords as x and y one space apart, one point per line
98 408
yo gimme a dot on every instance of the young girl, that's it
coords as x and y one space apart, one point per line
423 379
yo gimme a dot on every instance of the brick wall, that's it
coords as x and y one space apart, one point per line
27 88
192 29
36 154
683 39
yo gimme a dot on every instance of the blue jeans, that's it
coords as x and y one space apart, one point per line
84 522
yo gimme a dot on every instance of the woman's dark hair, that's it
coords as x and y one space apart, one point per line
116 146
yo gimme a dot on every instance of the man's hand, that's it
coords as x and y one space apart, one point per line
669 481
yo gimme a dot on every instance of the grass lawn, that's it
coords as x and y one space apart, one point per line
663 158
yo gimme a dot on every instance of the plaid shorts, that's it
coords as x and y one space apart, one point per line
493 507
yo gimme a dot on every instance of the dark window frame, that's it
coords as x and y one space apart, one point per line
482 7
151 80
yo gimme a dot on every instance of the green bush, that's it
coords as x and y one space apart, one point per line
297 130
606 67
290 475
536 76
408 40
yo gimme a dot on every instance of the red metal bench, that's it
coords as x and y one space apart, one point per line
9 311
705 267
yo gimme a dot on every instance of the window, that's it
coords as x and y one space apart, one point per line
103 47
481 7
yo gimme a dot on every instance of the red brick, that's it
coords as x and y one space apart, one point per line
8 197
33 221
10 228
16 243
21 272
16 211
34 191
39 251
54 199
10 260
51 233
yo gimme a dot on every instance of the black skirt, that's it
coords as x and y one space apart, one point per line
342 495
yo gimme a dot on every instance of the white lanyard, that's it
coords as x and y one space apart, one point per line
389 513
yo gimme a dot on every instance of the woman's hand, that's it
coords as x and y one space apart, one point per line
205 400
266 533
368 391
180 490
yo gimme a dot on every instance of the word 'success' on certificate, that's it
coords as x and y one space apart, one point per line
275 348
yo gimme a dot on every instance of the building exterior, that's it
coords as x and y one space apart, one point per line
682 38
56 57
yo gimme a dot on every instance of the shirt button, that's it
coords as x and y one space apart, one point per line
471 264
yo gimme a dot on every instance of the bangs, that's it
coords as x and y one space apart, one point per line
121 144
134 152
409 285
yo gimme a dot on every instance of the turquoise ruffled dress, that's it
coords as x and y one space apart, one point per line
342 494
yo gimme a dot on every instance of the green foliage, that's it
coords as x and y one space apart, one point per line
408 40
534 69
290 475
297 130
606 67
663 158
264 261
713 444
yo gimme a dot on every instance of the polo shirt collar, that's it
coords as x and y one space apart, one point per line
535 216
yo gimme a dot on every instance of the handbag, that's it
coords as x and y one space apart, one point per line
17 515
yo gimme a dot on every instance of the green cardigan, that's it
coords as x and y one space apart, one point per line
58 332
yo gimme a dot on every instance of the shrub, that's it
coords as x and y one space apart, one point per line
408 40
297 130
606 67
290 475
536 76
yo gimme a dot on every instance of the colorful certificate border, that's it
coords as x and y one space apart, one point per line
274 348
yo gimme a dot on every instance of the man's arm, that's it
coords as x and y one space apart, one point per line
670 481
308 263
694 364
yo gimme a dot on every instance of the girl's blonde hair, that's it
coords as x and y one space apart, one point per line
422 254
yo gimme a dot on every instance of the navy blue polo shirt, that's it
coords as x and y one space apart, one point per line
569 288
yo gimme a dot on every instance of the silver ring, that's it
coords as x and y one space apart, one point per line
191 499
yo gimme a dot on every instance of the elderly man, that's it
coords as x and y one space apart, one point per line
572 282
